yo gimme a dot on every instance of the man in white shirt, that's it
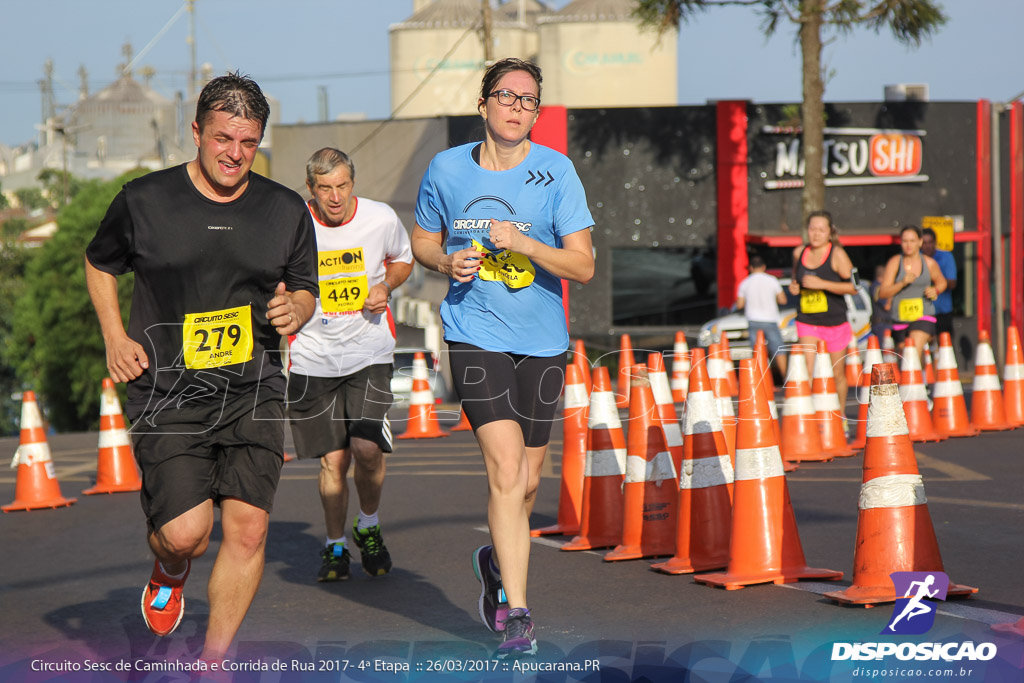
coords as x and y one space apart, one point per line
759 296
339 385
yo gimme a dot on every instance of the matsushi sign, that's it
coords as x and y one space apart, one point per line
851 156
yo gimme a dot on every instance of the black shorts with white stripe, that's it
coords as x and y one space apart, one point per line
326 412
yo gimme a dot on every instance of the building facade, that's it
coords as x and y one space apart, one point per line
591 53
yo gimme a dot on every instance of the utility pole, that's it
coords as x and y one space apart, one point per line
49 106
485 8
321 99
83 82
999 284
191 40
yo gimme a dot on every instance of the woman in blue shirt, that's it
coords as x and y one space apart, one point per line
505 220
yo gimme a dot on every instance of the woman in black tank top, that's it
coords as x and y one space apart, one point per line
821 276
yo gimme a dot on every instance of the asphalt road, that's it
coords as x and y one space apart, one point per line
71 579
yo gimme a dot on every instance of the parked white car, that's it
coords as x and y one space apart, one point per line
734 325
401 380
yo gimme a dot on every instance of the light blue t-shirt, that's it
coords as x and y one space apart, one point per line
947 264
542 197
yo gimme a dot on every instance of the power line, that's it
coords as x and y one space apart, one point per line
33 86
415 91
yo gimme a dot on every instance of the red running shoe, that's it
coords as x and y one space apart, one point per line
163 605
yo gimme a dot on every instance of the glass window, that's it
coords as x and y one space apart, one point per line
663 286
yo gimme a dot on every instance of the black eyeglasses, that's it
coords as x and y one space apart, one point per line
507 98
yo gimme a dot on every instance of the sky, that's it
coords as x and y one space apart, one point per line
294 47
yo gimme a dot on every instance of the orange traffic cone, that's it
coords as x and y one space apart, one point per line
767 378
761 351
680 368
827 411
705 483
929 369
718 373
872 357
422 422
1013 379
730 367
1016 627
37 485
115 468
605 471
988 412
853 363
915 398
894 529
767 385
666 408
463 425
650 494
889 354
626 362
580 360
765 544
949 409
574 455
801 438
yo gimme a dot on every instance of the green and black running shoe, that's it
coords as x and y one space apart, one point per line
375 556
335 565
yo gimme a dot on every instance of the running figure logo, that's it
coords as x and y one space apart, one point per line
913 614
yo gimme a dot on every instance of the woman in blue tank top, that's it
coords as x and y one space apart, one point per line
913 281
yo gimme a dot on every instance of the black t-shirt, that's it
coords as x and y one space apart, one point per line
198 265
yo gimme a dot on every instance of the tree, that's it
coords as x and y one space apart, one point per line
59 186
12 228
56 341
13 258
31 198
910 21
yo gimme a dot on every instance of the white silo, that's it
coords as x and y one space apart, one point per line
594 54
437 54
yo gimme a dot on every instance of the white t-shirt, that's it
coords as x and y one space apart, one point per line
758 291
341 338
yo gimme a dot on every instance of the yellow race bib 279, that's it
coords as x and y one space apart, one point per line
217 338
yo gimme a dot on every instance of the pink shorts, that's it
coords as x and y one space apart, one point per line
836 338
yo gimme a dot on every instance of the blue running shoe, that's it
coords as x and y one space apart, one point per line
493 605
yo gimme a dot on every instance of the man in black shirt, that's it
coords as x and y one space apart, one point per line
225 265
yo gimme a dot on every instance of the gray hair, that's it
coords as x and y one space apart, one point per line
326 160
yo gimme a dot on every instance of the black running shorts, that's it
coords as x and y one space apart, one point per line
325 412
926 326
236 453
495 385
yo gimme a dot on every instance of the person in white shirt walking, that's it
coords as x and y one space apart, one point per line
759 296
339 387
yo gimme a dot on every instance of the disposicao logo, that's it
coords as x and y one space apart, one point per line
914 613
